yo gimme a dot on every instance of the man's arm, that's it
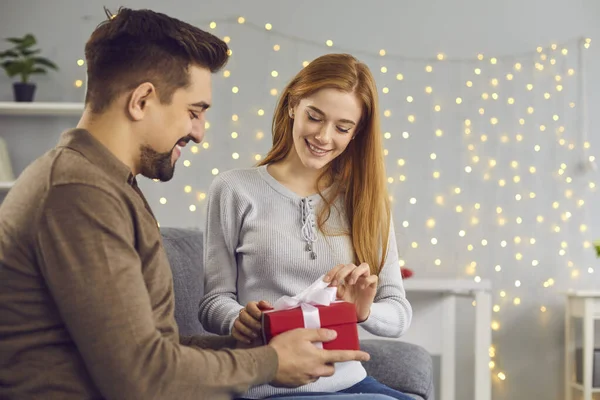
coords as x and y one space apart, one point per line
209 342
87 257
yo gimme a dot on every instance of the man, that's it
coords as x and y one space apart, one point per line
86 298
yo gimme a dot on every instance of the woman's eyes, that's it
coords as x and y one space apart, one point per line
339 128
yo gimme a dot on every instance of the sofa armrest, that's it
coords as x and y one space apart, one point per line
405 367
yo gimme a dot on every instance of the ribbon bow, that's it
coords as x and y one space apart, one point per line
317 294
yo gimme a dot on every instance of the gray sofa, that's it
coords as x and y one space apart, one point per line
405 367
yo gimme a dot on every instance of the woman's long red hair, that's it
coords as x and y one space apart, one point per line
359 172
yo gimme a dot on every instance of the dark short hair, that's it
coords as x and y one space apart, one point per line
136 46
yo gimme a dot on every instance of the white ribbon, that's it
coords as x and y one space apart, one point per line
318 293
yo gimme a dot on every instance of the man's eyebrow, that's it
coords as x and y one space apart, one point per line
201 104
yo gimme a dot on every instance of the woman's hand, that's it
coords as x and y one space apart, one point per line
247 327
355 285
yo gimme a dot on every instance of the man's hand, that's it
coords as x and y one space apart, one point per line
301 362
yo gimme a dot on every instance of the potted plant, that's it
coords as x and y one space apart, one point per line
23 60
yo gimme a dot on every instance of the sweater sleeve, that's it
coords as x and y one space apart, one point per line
208 342
391 312
219 307
94 274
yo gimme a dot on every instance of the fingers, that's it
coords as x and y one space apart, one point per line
341 291
347 273
247 326
253 311
249 321
362 270
333 272
324 370
237 335
339 273
369 282
335 356
316 335
342 274
242 332
264 305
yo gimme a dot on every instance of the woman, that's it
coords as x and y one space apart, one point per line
316 205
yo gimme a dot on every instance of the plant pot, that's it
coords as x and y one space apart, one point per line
23 91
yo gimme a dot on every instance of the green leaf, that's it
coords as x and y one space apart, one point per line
8 53
14 68
28 53
15 40
28 41
28 65
38 71
45 62
597 248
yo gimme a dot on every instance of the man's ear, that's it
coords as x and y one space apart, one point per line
138 100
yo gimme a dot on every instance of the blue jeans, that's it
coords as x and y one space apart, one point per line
366 389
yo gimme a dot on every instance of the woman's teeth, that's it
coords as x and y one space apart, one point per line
316 149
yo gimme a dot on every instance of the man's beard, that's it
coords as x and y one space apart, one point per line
156 165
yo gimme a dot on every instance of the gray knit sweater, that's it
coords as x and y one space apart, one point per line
262 243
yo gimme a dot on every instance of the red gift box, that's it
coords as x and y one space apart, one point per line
339 316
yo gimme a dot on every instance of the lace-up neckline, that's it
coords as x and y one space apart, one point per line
306 207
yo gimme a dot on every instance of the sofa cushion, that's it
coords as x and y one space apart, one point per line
184 248
400 365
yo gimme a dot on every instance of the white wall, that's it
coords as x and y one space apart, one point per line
528 343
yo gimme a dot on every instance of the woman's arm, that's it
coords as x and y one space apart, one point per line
391 313
219 307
